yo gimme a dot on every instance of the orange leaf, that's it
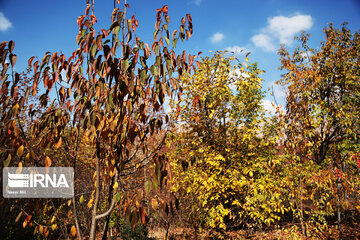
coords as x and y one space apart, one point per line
58 144
73 231
47 161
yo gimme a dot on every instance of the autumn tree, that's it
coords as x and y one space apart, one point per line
321 123
222 146
101 106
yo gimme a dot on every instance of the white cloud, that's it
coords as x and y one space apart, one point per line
237 73
263 41
237 50
279 91
197 2
285 28
281 29
268 106
217 37
5 24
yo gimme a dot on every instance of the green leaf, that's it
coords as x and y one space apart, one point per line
167 40
143 75
126 64
174 42
117 197
93 50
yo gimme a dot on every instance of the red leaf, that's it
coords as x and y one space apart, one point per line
165 9
143 216
153 47
87 23
11 45
87 9
54 57
127 5
36 65
68 104
184 56
104 32
30 61
188 16
147 51
133 18
191 60
13 59
3 45
47 162
188 34
93 19
80 20
183 20
98 41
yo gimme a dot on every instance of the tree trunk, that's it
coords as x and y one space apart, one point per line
76 220
97 194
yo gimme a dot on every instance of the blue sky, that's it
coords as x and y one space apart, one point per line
258 26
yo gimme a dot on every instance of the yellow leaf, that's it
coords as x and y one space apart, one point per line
19 168
53 227
18 217
36 229
112 173
81 199
41 229
20 151
15 108
116 185
25 224
73 231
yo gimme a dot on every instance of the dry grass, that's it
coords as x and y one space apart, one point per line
350 232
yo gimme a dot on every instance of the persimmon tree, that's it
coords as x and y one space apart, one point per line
101 106
222 146
322 122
